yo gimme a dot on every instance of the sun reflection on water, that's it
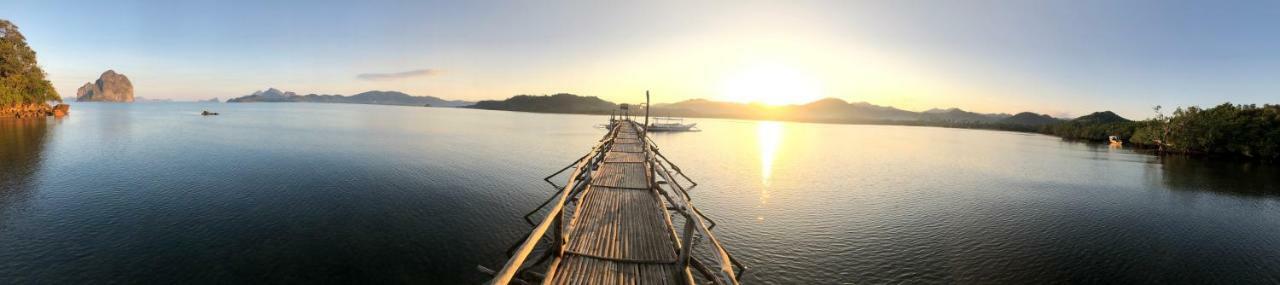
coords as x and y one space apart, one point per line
769 136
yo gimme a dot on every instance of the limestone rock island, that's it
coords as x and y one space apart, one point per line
110 87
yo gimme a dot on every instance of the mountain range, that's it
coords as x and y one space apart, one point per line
369 97
829 110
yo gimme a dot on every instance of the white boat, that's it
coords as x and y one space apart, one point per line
671 125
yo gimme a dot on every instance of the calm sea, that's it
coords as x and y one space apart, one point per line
156 193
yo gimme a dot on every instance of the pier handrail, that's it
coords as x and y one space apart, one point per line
694 222
513 265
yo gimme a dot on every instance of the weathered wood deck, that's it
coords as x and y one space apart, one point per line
621 232
612 223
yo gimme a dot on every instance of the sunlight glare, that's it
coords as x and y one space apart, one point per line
771 85
769 135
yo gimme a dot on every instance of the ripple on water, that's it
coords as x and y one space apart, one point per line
275 193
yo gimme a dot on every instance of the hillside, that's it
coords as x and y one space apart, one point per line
558 103
954 115
370 97
829 110
1101 118
1030 119
824 110
1097 126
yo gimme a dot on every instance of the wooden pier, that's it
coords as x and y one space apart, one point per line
612 223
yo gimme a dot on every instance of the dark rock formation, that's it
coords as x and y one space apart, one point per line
61 110
110 87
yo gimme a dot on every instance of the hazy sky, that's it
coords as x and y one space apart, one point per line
1055 57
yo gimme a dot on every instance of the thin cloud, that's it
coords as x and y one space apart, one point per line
398 75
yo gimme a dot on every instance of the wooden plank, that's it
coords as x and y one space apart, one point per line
620 175
627 147
587 270
632 157
623 224
626 140
619 233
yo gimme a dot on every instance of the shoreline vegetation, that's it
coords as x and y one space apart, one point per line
1249 131
24 90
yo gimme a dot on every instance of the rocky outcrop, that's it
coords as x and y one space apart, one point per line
35 110
61 110
110 87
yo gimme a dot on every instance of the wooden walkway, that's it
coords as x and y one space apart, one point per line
621 233
612 224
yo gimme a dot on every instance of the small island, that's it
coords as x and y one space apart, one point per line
110 87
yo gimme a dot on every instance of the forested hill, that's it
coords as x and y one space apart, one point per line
558 103
22 82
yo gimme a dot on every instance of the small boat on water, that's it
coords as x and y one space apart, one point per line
1115 141
671 125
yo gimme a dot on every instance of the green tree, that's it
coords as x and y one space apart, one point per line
21 79
1246 130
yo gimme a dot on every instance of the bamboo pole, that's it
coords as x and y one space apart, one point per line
513 265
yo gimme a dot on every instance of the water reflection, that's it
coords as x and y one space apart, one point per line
1247 178
769 136
21 142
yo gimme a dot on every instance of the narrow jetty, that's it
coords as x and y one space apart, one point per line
612 223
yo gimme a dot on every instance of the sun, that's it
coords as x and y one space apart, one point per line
771 85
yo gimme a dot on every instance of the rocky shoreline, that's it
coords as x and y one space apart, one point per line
34 110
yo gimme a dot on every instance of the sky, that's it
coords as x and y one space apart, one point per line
1063 58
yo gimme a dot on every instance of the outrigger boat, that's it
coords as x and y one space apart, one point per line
671 125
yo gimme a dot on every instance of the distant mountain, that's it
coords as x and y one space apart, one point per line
269 95
955 115
1101 118
824 110
558 103
1030 119
370 97
832 109
272 93
149 100
939 111
828 110
398 98
708 108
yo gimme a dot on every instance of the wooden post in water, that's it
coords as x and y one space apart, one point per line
645 132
